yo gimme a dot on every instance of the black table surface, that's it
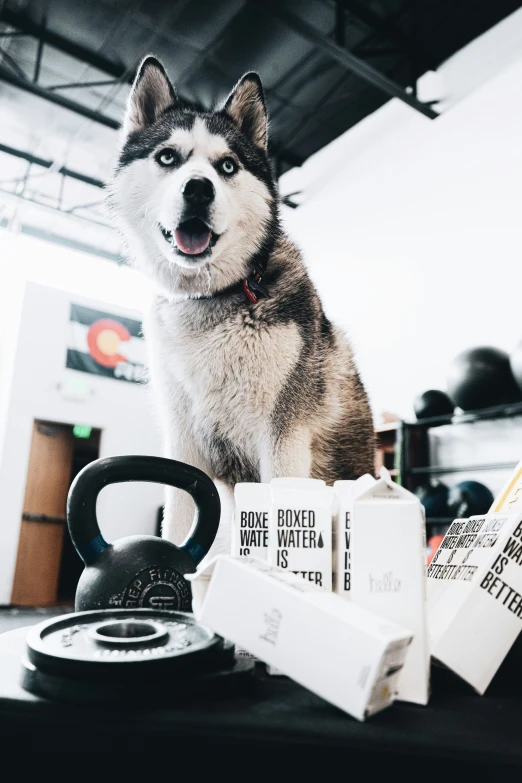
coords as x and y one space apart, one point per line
458 724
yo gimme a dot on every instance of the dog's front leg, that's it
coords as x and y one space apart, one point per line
287 454
179 506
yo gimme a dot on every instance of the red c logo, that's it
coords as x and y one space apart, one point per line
104 338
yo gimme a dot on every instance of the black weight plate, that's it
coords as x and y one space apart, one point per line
125 645
229 682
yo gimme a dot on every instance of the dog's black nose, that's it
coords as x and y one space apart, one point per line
199 190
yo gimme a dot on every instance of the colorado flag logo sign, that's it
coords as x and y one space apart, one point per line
105 344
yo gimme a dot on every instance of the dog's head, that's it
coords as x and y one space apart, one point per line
193 192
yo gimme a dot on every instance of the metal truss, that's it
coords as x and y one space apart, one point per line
47 164
336 51
21 188
14 75
381 30
24 188
119 74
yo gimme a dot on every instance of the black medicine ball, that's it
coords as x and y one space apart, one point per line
434 498
432 403
516 364
482 377
469 498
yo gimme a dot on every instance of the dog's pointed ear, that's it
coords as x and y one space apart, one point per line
246 106
152 93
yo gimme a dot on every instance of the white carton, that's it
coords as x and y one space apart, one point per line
300 535
340 651
296 482
345 491
454 551
388 570
250 528
510 496
474 620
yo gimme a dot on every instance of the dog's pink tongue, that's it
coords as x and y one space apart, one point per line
192 242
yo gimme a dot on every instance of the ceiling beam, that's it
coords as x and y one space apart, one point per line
340 24
102 119
47 164
345 58
53 97
98 61
117 70
386 28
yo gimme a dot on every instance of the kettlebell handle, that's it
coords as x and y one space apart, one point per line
84 491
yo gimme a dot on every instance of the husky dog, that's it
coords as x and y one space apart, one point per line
251 378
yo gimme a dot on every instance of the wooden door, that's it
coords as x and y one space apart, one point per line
43 520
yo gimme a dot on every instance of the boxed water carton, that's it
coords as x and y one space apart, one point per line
387 573
340 651
510 496
476 616
345 491
455 550
250 527
296 482
300 534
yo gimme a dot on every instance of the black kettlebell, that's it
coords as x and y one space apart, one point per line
138 571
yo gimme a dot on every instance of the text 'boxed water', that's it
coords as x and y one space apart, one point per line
475 595
300 537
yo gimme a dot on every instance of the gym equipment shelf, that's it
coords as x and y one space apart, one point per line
412 448
496 412
428 471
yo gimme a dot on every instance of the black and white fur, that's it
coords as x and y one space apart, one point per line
245 391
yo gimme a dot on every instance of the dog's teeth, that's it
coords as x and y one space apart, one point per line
167 235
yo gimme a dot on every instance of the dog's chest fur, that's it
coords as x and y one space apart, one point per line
228 362
246 391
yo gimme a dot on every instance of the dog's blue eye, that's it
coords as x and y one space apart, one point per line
167 158
228 166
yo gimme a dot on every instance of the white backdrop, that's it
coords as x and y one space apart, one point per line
411 228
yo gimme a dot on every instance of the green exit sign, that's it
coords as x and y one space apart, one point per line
82 431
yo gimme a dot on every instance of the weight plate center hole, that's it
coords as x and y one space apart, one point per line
128 632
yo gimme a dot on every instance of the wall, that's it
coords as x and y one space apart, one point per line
25 258
411 230
122 410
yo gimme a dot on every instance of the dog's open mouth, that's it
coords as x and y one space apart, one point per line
192 237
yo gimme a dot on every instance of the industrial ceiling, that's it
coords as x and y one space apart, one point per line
66 67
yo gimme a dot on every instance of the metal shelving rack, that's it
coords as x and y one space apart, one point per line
412 456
